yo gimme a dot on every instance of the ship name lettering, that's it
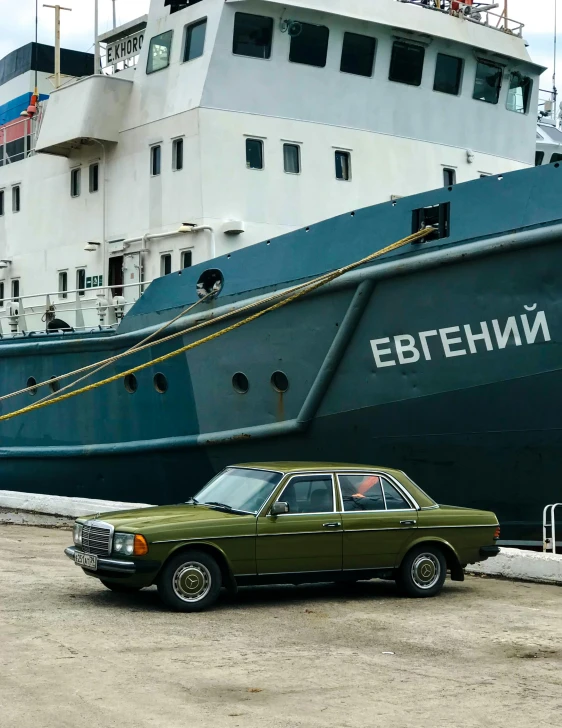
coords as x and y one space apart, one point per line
453 341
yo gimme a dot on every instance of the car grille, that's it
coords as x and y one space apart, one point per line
96 539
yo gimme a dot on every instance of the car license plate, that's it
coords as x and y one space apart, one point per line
88 561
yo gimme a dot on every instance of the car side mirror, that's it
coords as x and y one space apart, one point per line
278 508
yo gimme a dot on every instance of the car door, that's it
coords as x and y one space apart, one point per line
309 537
378 517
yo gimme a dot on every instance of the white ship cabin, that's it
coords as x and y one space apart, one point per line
216 124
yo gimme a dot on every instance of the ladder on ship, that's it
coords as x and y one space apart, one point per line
549 528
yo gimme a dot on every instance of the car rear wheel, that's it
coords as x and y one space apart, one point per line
422 572
121 588
190 582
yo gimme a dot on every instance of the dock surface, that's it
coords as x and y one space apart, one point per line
485 652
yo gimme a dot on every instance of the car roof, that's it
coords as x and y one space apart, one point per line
291 466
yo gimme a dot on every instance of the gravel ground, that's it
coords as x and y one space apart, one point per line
484 653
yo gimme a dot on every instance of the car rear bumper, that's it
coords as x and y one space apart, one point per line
488 552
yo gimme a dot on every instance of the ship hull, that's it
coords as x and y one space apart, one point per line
444 362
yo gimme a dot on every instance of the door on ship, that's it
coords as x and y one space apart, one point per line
132 276
115 275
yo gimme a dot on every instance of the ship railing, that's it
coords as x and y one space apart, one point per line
479 12
30 126
549 528
30 315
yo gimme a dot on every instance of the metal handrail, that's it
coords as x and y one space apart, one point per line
502 23
549 543
76 290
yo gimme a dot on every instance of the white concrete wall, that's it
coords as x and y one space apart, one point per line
524 565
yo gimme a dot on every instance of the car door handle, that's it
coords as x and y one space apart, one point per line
332 525
407 523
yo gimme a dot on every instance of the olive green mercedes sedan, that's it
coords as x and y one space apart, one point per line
285 523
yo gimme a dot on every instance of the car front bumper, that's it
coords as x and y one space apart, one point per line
116 567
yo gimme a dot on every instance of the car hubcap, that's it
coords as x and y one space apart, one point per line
192 581
426 571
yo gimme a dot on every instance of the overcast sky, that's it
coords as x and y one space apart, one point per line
78 26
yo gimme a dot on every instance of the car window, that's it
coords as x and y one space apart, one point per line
244 489
309 494
361 492
394 501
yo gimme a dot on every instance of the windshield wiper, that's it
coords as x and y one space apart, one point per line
193 500
226 507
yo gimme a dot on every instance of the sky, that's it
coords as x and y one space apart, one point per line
77 27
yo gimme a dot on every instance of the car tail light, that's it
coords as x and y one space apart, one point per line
497 533
141 547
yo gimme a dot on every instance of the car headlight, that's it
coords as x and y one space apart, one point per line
77 534
124 543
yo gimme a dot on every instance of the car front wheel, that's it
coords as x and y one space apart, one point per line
190 581
422 572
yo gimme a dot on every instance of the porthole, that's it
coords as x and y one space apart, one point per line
131 383
31 382
160 383
240 383
54 386
279 381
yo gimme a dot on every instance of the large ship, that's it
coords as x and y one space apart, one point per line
225 155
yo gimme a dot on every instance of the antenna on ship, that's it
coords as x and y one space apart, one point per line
57 9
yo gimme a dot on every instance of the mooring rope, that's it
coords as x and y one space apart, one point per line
304 289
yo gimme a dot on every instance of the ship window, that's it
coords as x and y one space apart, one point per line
177 154
131 384
292 158
449 176
81 281
556 158
1 293
15 290
1 202
343 165
488 82
254 154
159 52
75 182
519 93
155 160
186 259
252 35
94 175
54 385
240 383
310 46
195 40
448 73
358 54
31 382
539 157
16 202
406 63
63 284
165 264
160 383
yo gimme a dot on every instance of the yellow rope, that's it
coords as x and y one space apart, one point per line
132 350
312 285
141 346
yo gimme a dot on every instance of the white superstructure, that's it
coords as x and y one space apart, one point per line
243 120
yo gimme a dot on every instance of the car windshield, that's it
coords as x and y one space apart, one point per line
240 489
